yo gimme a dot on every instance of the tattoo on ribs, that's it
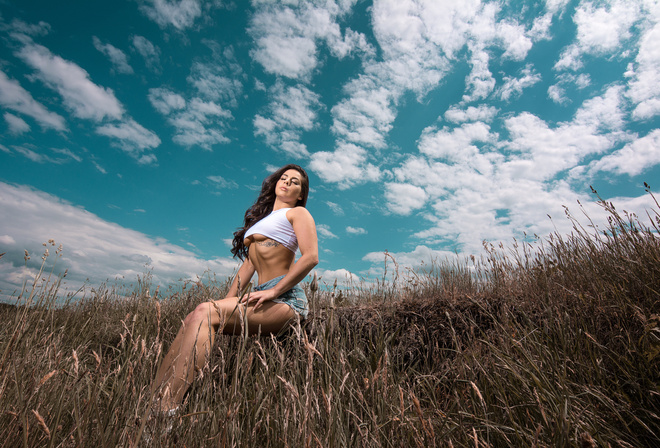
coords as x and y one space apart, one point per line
268 243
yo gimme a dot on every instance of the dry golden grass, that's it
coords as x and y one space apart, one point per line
553 343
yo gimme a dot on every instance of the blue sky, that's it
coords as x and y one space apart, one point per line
136 133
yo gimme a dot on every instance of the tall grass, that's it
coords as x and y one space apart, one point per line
550 343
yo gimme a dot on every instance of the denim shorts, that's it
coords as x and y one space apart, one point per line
294 297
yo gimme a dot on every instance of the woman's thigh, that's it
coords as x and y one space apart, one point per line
271 317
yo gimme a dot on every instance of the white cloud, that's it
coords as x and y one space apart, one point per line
99 167
479 113
286 36
508 183
165 100
292 110
418 41
346 166
93 248
221 182
16 98
644 85
149 51
219 80
634 158
84 98
569 58
117 57
16 124
515 40
324 231
514 86
604 112
453 144
336 208
356 230
342 276
132 138
366 116
200 124
480 82
40 29
7 240
557 94
545 152
39 155
402 199
180 15
600 30
196 122
420 256
67 153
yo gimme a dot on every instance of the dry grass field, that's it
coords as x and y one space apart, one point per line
541 344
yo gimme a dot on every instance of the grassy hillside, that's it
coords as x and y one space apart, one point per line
555 343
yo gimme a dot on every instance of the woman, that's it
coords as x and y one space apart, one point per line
275 226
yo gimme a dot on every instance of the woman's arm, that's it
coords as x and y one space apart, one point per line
305 229
244 275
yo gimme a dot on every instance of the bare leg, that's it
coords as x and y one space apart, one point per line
192 346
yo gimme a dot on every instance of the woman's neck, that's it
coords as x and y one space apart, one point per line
278 205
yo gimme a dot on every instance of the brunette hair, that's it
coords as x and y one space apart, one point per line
263 206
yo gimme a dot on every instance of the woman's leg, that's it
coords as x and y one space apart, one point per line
192 346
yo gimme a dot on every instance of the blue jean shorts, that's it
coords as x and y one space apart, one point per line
294 297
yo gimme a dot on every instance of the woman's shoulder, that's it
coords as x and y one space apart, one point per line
298 212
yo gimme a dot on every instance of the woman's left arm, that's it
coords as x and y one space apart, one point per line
305 229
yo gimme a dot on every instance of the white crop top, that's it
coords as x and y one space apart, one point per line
276 227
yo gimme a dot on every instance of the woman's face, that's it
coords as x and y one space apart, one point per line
289 187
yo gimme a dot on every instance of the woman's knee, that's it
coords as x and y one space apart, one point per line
197 316
213 312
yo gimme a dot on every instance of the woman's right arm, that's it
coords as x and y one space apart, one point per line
244 275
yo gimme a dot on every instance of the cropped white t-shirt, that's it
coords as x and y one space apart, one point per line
276 227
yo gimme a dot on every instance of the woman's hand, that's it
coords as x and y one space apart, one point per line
259 297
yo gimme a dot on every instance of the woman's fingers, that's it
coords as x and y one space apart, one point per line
259 297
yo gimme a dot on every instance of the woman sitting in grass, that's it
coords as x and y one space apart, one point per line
275 227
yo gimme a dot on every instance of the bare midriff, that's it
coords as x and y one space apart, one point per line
269 258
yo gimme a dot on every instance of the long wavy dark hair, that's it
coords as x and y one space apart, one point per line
263 206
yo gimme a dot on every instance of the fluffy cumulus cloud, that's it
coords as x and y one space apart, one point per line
133 138
346 166
287 35
485 186
513 87
601 28
453 144
94 249
418 257
291 111
419 41
644 74
479 113
201 119
404 198
342 277
196 122
356 230
634 158
179 14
